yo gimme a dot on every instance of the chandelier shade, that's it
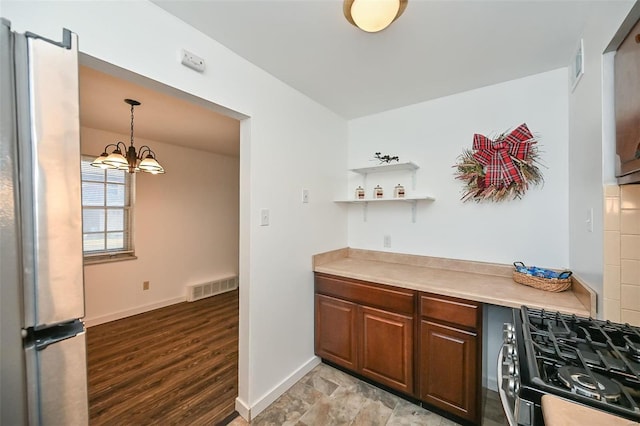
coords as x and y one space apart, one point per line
373 15
131 161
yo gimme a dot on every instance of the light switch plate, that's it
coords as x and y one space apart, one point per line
264 217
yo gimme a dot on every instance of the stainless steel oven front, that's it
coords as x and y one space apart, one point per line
518 410
584 360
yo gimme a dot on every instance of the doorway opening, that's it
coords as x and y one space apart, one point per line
149 351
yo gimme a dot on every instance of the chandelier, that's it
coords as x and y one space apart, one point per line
373 15
143 161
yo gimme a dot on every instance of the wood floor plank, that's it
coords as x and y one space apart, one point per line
175 365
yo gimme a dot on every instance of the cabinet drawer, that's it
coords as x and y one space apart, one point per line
452 310
375 295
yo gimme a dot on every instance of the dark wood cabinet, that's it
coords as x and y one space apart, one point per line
450 355
386 348
335 336
627 103
367 328
424 345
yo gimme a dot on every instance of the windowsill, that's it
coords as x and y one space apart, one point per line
95 260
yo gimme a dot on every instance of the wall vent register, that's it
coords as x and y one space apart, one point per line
211 288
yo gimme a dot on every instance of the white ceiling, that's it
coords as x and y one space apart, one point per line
436 48
160 117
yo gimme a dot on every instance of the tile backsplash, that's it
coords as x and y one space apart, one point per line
622 253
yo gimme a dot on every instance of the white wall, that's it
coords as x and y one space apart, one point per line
185 230
432 134
289 142
588 140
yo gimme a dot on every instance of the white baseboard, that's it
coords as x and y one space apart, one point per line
243 409
250 413
89 322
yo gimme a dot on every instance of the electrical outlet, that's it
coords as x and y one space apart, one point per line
145 285
190 60
305 196
264 217
387 241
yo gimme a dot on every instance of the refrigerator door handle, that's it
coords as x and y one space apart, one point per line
49 336
66 38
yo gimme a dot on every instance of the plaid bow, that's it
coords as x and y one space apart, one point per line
496 156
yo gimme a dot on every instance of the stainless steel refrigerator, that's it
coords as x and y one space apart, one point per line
43 361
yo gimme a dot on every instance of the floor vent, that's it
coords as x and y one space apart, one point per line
200 291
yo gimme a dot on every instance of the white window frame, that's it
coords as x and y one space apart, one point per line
117 254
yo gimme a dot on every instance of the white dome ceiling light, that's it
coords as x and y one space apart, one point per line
373 15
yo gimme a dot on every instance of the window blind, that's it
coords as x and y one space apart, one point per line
107 211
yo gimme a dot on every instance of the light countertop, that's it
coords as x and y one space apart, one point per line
478 281
560 412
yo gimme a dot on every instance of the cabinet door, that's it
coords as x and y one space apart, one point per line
627 102
448 369
386 348
335 334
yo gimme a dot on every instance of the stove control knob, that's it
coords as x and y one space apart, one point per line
508 334
510 351
508 368
513 386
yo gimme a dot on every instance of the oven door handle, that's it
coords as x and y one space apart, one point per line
504 399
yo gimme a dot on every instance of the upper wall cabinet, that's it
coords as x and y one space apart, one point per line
412 199
626 44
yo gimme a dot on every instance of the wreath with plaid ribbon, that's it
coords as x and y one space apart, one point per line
499 169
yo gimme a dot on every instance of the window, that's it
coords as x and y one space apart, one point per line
107 213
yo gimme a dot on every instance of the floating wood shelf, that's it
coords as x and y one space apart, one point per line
385 168
365 202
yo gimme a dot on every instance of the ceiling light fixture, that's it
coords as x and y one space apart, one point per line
373 15
144 161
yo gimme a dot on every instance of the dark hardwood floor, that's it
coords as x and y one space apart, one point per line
172 366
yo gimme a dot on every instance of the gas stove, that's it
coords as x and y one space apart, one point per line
591 362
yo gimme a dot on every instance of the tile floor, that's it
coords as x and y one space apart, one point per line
327 396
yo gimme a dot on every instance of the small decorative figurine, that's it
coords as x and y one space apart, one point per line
385 158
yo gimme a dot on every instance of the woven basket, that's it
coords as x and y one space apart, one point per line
555 285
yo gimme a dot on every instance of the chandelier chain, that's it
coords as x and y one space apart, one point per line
131 125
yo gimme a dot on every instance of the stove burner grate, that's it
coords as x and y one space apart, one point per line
591 385
633 349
